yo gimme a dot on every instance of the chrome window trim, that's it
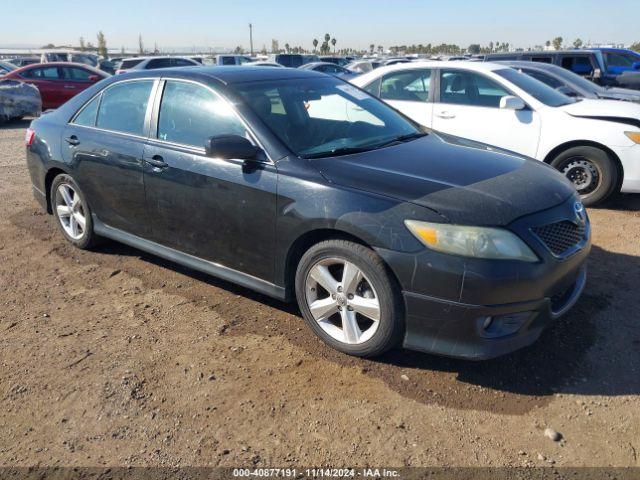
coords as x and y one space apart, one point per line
147 116
153 108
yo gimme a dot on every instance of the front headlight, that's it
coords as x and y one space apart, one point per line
478 242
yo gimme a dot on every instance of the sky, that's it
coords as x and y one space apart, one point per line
354 23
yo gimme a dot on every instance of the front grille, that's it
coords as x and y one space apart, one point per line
560 237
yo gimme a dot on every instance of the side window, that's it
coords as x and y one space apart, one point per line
374 87
76 74
228 61
124 106
190 113
578 64
469 88
546 79
87 116
181 62
159 63
46 73
619 60
541 59
410 85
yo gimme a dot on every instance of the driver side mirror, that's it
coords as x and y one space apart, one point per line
636 65
229 147
597 73
510 102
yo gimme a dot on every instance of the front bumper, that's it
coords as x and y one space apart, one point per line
455 329
479 309
630 160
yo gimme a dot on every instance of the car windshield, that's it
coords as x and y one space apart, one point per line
578 81
535 88
324 117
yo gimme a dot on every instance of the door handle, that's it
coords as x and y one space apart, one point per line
70 87
72 140
445 115
156 162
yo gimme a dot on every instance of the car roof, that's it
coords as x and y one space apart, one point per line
475 66
58 64
529 64
228 74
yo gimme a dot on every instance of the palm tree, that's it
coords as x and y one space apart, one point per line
371 47
333 42
286 47
315 44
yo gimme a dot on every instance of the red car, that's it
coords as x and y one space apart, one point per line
57 82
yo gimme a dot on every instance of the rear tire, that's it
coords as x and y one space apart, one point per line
72 213
349 298
591 170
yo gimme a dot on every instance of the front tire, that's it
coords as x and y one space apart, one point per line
349 298
72 213
591 170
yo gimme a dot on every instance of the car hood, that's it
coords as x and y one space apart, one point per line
464 181
602 108
620 94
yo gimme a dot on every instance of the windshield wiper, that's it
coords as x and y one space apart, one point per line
401 139
336 152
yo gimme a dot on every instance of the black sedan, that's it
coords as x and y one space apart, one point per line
300 186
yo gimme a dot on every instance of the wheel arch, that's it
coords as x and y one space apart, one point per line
305 241
48 181
587 143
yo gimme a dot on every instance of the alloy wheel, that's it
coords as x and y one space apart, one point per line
342 300
70 211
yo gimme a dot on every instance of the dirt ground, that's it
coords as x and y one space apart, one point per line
114 357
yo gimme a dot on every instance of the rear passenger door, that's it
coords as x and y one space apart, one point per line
219 210
104 143
410 92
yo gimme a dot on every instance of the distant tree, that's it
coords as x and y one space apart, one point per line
557 43
577 43
381 49
315 44
90 46
490 46
287 48
547 43
474 49
102 45
239 50
264 50
371 47
333 42
122 51
636 47
140 45
83 46
275 46
49 45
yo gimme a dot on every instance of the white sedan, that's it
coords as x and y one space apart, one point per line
595 143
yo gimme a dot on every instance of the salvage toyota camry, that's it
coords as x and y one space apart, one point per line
301 186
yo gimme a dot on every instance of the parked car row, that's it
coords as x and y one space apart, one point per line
302 186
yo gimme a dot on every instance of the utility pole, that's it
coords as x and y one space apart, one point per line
251 38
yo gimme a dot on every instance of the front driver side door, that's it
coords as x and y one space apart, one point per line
218 210
469 107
